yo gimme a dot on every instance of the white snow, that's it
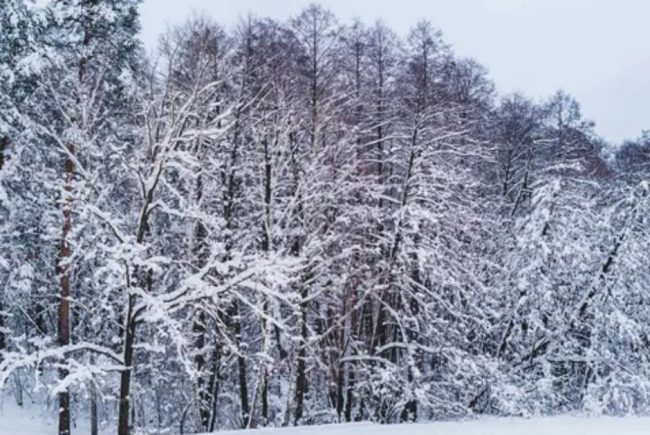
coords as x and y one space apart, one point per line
30 421
485 426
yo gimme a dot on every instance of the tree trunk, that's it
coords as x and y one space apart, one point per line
64 304
199 360
123 427
260 397
349 396
94 421
130 323
233 315
243 391
241 362
340 377
213 387
4 141
2 327
199 325
265 399
301 375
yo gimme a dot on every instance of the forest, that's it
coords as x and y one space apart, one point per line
304 221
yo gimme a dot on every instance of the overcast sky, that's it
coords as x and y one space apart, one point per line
597 50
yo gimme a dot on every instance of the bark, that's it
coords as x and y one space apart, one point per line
380 329
4 142
64 306
2 326
213 387
94 421
349 397
130 322
64 282
199 345
340 385
229 178
259 399
242 369
261 394
286 418
123 427
301 375
199 326
265 399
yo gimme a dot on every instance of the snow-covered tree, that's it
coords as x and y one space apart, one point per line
303 221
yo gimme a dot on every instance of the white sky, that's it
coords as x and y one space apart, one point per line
597 50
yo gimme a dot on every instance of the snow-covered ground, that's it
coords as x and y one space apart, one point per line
30 421
17 421
487 426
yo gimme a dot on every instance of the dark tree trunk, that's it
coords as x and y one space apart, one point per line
2 327
4 142
94 420
199 326
130 324
265 398
123 427
199 360
301 375
410 411
259 399
340 378
233 316
349 397
261 395
213 387
241 363
64 304
243 391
